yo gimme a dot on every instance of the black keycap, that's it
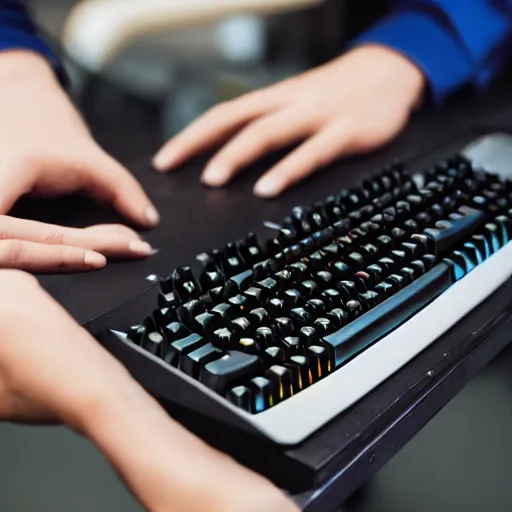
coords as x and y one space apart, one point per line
348 290
259 316
262 394
175 331
319 361
301 370
354 308
226 312
240 302
315 306
300 317
308 336
308 288
185 286
265 337
323 325
275 306
292 298
248 345
283 326
174 351
164 316
192 362
282 377
274 355
206 324
338 317
386 289
153 342
331 298
232 262
241 327
222 338
230 370
240 396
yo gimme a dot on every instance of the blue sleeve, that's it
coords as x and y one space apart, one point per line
454 42
17 31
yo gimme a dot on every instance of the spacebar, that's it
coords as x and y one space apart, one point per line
379 321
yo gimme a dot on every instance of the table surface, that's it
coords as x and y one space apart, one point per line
458 461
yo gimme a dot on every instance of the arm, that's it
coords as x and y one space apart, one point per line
465 39
52 371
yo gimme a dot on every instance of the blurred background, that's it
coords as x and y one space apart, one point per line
141 70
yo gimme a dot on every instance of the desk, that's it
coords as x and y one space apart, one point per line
49 469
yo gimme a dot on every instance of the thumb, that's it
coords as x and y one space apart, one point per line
109 182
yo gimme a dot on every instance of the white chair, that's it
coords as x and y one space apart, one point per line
98 30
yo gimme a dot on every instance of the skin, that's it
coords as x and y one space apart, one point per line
353 104
46 149
170 469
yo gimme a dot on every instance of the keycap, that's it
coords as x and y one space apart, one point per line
192 362
175 350
301 370
184 283
319 361
240 396
282 377
262 394
229 370
152 342
265 337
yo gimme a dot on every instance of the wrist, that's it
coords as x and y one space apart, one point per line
403 74
25 66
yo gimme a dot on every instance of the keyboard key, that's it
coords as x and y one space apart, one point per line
240 396
192 362
229 370
262 394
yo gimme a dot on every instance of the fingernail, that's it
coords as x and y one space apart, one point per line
215 175
161 163
266 188
152 215
94 260
140 247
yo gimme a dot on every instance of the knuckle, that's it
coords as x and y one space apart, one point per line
56 238
11 253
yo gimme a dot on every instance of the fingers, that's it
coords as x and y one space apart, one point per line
214 127
110 241
34 257
111 183
320 150
259 138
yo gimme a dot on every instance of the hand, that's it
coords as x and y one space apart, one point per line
39 247
46 149
51 370
353 104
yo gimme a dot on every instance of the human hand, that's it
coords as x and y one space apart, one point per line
40 247
46 149
353 104
51 370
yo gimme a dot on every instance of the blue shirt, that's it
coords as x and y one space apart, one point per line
17 31
454 42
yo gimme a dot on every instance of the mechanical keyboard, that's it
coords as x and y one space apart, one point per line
278 337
